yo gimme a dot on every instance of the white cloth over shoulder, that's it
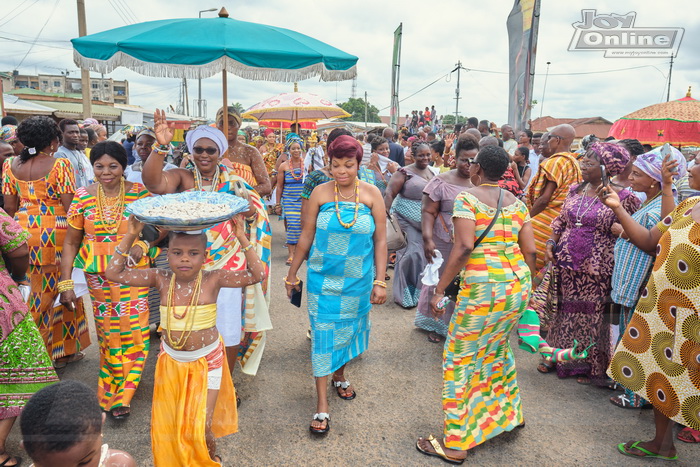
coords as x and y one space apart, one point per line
229 319
431 273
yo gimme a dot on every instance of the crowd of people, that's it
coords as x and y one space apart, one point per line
485 218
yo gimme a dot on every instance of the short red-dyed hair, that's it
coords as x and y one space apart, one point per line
344 147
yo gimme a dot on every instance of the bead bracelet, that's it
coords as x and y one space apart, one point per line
162 149
246 248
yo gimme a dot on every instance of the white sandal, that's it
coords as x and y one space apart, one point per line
321 417
344 385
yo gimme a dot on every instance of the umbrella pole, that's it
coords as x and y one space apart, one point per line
225 126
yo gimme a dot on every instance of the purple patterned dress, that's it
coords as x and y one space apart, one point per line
584 265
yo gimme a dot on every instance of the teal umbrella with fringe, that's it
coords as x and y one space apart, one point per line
198 48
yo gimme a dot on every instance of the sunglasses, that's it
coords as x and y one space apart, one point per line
200 150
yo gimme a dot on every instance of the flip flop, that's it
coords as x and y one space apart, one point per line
694 434
343 385
120 414
321 417
434 337
647 454
544 368
439 452
18 460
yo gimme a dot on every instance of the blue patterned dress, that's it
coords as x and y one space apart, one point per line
340 272
291 204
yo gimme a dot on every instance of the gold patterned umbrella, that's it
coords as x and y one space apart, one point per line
675 122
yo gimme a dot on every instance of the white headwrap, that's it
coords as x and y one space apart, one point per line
204 131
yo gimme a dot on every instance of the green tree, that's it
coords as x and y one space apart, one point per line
356 108
450 120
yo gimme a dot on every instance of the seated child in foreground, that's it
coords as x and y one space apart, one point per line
62 426
194 400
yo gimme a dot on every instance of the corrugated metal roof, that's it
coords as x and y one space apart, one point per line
13 104
75 110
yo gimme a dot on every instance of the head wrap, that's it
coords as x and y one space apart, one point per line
291 135
147 132
345 146
8 133
613 156
650 163
291 141
90 121
269 131
232 112
258 139
204 131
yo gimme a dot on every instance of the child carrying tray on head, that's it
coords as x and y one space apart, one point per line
194 400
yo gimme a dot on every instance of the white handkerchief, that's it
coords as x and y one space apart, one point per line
431 274
79 285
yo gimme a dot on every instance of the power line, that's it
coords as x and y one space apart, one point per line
18 12
35 43
119 12
39 34
127 11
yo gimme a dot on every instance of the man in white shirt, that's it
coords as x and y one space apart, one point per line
82 168
508 137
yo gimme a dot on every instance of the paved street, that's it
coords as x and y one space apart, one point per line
398 383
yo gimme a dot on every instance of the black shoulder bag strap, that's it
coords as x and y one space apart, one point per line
493 221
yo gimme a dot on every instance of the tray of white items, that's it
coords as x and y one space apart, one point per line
192 210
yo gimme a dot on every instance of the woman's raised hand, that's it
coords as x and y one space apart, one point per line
161 127
608 196
669 168
239 226
135 226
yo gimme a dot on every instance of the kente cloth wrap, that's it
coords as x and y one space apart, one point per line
179 411
659 355
291 203
564 170
41 213
123 335
224 252
480 396
340 272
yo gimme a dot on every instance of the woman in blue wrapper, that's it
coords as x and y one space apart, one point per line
346 254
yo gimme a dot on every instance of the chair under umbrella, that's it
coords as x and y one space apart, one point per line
675 122
201 47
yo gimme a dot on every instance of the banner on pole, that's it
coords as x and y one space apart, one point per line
395 73
523 24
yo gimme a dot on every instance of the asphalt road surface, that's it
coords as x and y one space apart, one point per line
398 383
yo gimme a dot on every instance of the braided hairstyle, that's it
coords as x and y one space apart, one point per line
36 133
634 147
416 144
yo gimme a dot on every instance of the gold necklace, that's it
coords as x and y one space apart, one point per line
352 195
110 211
491 184
357 204
651 199
180 343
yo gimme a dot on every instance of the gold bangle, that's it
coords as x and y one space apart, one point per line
65 286
246 248
290 283
379 283
143 245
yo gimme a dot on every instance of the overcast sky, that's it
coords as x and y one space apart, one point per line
436 35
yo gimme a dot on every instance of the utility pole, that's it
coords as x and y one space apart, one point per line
670 69
84 73
187 97
365 110
544 88
459 68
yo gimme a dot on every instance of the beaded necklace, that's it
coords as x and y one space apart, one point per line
291 170
198 180
357 204
110 210
180 343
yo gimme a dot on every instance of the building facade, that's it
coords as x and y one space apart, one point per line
101 89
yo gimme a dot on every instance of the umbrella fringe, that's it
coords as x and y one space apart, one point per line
167 70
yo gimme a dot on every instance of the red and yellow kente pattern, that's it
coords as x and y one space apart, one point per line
41 213
123 334
480 395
